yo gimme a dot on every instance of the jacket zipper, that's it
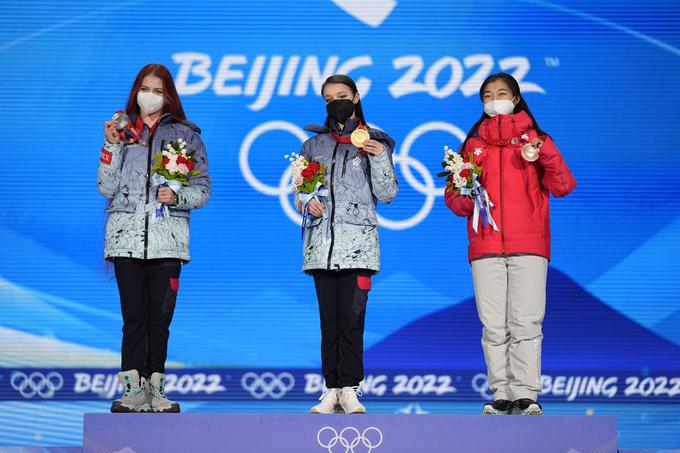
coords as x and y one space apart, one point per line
344 162
500 157
149 149
330 249
526 183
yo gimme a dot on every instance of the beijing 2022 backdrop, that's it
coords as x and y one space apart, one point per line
600 78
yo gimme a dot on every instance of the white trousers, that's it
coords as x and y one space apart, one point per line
510 295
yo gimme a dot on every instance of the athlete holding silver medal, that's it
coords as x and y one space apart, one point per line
148 251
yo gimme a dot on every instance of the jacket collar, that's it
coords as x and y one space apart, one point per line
166 118
501 129
350 125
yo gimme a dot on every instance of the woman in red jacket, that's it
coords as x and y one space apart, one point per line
520 168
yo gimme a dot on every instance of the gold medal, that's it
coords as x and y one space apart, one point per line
359 137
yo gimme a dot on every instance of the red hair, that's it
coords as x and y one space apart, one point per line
172 103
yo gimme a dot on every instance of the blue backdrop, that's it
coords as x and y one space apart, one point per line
599 78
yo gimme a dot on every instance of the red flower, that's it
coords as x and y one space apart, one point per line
182 160
166 161
310 170
190 165
465 173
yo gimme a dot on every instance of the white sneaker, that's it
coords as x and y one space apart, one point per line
159 401
349 401
135 391
329 402
527 406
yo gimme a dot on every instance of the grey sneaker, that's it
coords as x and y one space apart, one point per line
159 401
329 402
526 406
349 401
135 391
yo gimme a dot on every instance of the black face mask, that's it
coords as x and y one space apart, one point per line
340 109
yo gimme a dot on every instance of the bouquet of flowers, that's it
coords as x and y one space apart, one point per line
308 183
173 166
458 170
462 176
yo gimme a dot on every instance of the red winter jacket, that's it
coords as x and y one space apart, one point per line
519 189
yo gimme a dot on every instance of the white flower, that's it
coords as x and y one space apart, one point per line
172 166
183 169
467 166
524 137
298 180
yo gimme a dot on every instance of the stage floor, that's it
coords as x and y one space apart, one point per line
641 426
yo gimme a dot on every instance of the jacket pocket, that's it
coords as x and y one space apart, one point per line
180 213
124 201
354 213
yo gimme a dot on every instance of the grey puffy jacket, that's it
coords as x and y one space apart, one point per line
356 182
132 230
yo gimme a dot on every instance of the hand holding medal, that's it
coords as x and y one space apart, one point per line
530 151
362 140
124 129
373 147
110 132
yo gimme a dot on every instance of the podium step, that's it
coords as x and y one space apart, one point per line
371 433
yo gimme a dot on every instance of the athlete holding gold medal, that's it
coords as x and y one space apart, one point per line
340 248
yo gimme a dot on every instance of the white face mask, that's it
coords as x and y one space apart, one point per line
150 103
499 107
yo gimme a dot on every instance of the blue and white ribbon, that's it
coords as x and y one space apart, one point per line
321 194
158 181
483 204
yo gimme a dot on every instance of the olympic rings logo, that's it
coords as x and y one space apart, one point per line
480 384
37 383
349 438
402 161
267 384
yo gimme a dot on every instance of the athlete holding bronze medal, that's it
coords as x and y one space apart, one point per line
341 248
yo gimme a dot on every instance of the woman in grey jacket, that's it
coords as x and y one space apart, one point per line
341 248
147 250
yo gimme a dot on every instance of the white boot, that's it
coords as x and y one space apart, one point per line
329 402
135 391
349 401
159 401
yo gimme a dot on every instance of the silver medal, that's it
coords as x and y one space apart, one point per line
121 119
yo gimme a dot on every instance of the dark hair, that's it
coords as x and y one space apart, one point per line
345 80
172 103
521 106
